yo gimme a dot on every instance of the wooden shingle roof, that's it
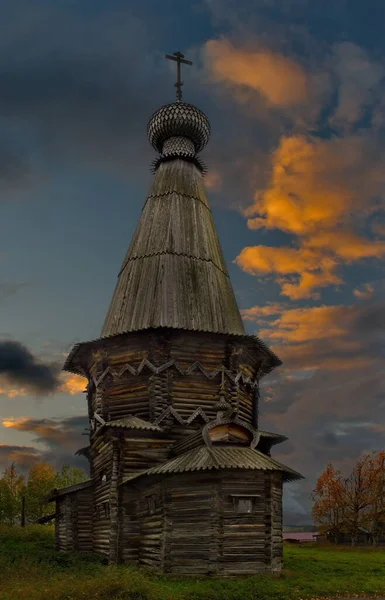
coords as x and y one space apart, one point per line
174 274
133 422
219 457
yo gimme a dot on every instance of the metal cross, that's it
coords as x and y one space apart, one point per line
179 58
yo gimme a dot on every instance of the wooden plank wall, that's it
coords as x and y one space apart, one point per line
190 515
140 454
204 535
276 522
190 391
151 528
146 395
246 538
129 525
60 524
102 464
84 499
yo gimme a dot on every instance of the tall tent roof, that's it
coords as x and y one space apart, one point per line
174 273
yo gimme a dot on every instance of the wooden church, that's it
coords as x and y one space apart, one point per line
182 479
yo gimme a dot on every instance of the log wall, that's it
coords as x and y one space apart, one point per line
190 518
147 394
103 453
73 528
129 525
194 527
276 522
151 518
245 538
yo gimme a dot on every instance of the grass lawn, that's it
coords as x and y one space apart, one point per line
30 570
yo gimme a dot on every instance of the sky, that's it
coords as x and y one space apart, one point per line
294 93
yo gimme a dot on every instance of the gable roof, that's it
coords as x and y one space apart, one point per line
219 457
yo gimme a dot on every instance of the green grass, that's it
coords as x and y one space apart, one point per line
30 569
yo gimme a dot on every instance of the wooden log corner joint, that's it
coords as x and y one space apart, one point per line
181 475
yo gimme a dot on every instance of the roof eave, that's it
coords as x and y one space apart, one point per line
57 493
71 363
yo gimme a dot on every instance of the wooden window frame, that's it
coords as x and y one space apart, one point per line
236 498
151 504
103 510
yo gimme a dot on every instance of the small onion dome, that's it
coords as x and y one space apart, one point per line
222 405
178 120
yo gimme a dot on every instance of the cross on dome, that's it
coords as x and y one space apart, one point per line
179 59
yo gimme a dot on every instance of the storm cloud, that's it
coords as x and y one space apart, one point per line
58 440
21 367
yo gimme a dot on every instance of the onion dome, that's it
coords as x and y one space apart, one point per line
178 130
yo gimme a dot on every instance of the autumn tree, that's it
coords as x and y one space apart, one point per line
41 481
376 482
358 497
346 505
329 502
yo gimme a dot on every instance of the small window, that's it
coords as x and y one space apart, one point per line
151 504
244 505
104 510
104 478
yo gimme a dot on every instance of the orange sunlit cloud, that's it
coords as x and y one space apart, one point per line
256 312
310 269
315 184
278 78
46 428
213 180
11 391
71 384
314 190
314 338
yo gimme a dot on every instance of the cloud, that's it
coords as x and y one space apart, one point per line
22 456
329 395
213 180
19 366
72 384
279 79
60 439
318 194
22 373
55 433
365 292
331 338
359 82
326 178
73 91
258 313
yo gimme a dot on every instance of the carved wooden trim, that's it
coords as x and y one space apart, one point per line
196 366
199 412
170 412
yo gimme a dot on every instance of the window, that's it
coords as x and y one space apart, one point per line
244 505
104 478
103 510
151 504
